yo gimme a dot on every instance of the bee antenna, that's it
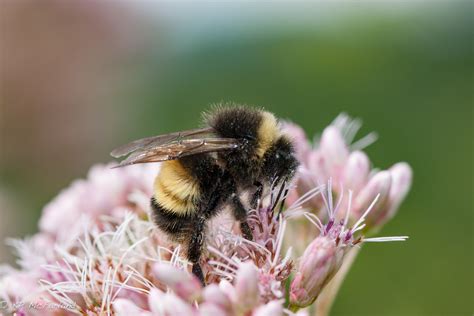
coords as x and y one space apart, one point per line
272 188
279 195
283 200
275 181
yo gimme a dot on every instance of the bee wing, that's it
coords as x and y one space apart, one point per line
156 141
178 149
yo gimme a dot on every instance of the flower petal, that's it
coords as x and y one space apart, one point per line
168 304
379 185
298 138
209 309
273 308
125 307
246 286
181 282
401 182
319 263
356 171
334 150
213 294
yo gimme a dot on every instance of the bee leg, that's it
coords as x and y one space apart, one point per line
240 214
195 249
197 271
257 195
246 231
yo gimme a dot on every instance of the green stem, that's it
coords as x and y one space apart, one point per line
293 308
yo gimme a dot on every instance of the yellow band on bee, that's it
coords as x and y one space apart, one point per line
175 189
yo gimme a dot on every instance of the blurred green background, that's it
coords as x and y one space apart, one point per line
79 78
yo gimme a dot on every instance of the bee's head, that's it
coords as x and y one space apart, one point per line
279 161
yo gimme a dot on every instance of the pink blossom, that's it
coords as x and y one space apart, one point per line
184 285
274 308
379 185
98 253
336 158
105 192
215 296
125 307
246 287
356 172
320 261
325 254
169 304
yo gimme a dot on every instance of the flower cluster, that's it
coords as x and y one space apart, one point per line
326 253
82 230
334 156
223 298
97 252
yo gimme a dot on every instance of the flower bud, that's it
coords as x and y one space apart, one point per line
356 171
228 289
319 263
401 182
273 308
317 169
379 185
309 177
168 304
298 139
183 284
125 307
213 294
208 309
19 284
334 150
246 286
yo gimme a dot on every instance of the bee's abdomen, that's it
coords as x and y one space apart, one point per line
175 199
176 226
176 191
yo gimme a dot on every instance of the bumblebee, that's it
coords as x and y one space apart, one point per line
241 149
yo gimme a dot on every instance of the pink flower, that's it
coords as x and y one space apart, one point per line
215 296
184 285
240 298
265 251
274 308
125 307
169 304
335 158
246 287
324 256
98 253
320 261
18 284
401 183
105 192
378 185
298 137
356 172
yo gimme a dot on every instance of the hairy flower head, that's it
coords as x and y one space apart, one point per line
98 253
335 156
324 256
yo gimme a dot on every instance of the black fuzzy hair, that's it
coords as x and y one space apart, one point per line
240 122
279 161
234 121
